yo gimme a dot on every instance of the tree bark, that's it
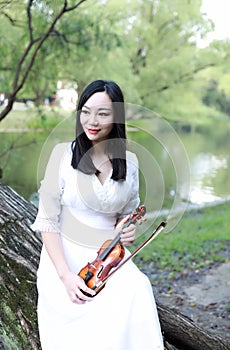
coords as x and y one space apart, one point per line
20 251
182 333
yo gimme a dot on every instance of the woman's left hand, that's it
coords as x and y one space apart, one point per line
128 236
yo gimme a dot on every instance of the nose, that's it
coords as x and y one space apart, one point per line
93 119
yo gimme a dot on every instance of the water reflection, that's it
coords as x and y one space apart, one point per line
208 157
209 162
205 168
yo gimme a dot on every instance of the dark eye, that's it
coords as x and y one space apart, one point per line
84 111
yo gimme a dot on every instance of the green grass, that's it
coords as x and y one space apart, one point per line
42 118
200 239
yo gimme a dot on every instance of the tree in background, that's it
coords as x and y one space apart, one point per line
149 47
216 98
27 28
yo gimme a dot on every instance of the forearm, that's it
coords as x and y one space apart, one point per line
74 284
53 245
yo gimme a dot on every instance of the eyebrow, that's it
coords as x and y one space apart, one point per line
100 108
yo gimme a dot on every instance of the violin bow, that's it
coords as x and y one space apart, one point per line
153 235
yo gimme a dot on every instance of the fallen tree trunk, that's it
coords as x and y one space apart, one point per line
184 334
20 250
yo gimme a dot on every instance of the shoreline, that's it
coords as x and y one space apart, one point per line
189 207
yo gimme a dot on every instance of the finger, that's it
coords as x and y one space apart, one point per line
85 296
130 228
74 298
127 239
86 293
84 289
80 297
123 221
79 301
128 233
88 290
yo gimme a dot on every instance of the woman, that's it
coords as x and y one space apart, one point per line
89 188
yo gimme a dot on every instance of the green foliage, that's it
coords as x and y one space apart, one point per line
45 118
148 47
216 98
199 240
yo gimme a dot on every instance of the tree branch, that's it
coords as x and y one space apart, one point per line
12 21
18 85
29 15
180 79
74 6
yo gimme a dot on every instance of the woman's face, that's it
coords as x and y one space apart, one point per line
97 117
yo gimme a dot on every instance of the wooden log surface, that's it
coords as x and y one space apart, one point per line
19 256
20 250
184 334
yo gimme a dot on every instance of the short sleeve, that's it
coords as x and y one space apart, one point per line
50 193
133 178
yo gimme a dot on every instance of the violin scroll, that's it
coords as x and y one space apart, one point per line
136 216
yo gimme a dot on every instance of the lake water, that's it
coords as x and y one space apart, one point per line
181 167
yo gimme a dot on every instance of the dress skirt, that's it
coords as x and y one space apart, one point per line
123 316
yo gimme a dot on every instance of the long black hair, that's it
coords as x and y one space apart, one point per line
116 143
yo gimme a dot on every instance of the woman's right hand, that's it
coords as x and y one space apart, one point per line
74 285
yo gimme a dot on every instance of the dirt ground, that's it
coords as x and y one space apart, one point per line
203 296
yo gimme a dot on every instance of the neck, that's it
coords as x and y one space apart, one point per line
98 148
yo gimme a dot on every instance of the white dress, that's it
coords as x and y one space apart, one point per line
123 316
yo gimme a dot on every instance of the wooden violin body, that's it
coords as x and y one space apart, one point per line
109 255
96 271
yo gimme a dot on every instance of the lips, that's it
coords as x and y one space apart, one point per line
93 131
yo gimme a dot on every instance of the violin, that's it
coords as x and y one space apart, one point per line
109 255
97 288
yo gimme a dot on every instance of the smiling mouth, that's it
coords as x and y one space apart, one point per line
93 131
